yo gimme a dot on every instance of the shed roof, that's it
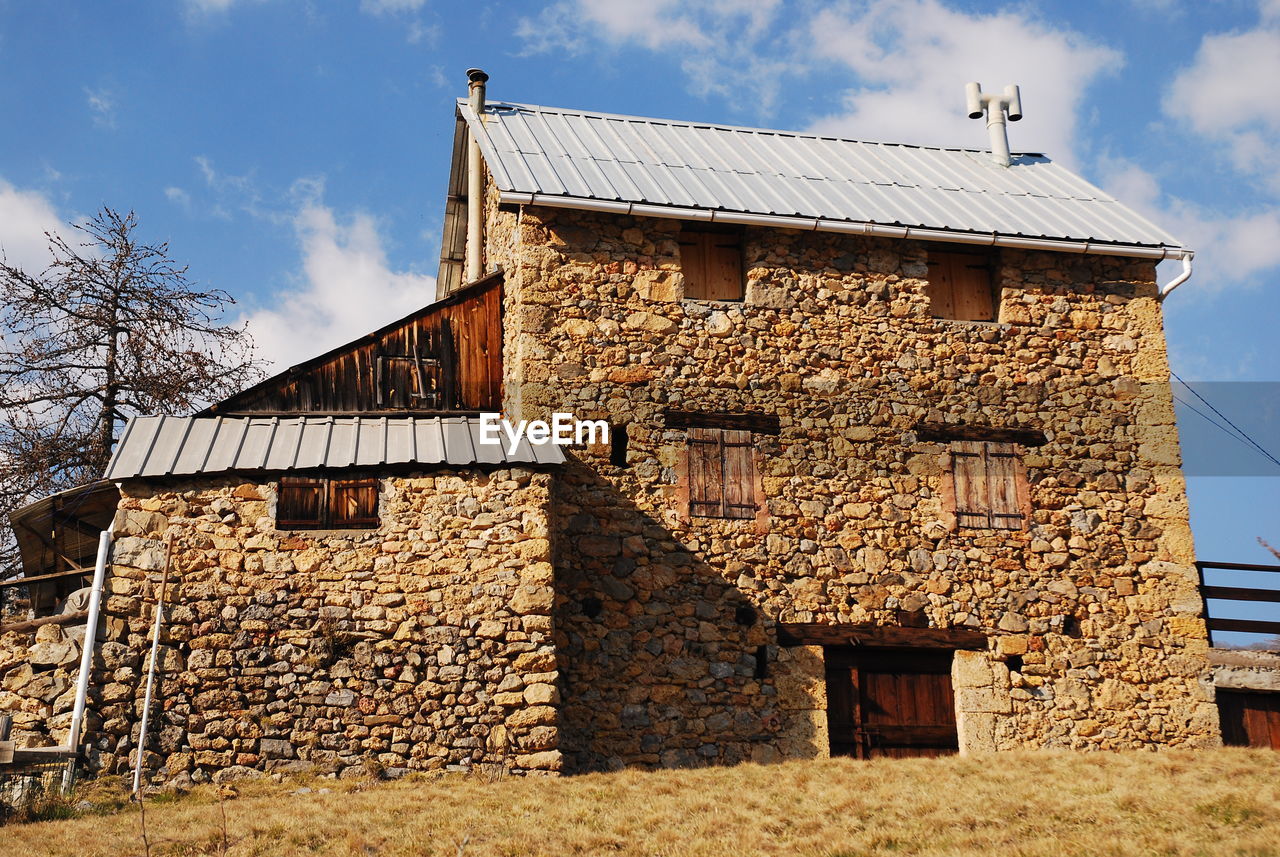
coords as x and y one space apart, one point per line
660 167
178 446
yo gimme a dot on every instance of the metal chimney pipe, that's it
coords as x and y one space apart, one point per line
995 107
475 187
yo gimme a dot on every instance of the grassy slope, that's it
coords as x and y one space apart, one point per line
1177 803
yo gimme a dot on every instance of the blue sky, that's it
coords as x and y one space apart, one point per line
295 153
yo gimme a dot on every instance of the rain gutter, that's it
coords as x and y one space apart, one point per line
810 224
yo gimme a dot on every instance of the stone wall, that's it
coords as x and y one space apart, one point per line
1094 615
424 643
38 688
1244 669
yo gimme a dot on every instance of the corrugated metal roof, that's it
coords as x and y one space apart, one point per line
598 157
174 446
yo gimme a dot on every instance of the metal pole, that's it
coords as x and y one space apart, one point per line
151 671
475 185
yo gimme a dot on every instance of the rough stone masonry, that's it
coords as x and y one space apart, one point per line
422 644
1093 614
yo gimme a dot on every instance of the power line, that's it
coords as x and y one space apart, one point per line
1210 420
1227 420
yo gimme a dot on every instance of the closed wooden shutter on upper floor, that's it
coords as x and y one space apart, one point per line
960 287
353 502
989 485
721 473
712 265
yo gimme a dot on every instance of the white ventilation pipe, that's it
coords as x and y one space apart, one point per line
995 107
475 187
86 648
1181 278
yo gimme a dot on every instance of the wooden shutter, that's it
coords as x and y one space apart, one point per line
968 469
712 265
989 484
739 474
721 473
301 504
353 503
960 287
940 289
1003 475
706 480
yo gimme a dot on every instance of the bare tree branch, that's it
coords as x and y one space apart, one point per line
113 327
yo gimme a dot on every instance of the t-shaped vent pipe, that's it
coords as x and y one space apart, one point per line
995 106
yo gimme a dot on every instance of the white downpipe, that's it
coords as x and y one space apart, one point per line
151 675
1181 278
86 649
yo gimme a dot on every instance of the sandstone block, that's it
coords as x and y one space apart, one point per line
534 715
547 760
541 694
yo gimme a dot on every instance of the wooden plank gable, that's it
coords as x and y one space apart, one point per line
446 357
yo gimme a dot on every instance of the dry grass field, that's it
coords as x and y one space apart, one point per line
1179 803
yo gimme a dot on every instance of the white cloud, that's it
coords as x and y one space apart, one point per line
25 217
1228 95
913 58
572 24
383 7
1231 249
346 288
909 60
721 43
179 197
208 7
102 104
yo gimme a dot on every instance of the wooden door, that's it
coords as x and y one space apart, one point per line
1250 719
890 702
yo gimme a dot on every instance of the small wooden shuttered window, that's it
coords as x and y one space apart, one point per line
721 473
712 265
990 485
301 502
310 503
960 287
353 503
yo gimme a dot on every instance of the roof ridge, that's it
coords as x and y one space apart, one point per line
493 106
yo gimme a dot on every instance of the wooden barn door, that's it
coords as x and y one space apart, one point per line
1250 719
890 702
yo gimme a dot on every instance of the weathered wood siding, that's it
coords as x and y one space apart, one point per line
446 357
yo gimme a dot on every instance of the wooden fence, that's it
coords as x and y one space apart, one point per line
1240 594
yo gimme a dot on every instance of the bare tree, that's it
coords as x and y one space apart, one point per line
113 327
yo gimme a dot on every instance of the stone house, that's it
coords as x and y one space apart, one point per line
892 470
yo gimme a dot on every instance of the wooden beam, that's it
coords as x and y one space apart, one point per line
758 423
1235 566
1252 626
23 581
61 619
1239 593
886 636
947 432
